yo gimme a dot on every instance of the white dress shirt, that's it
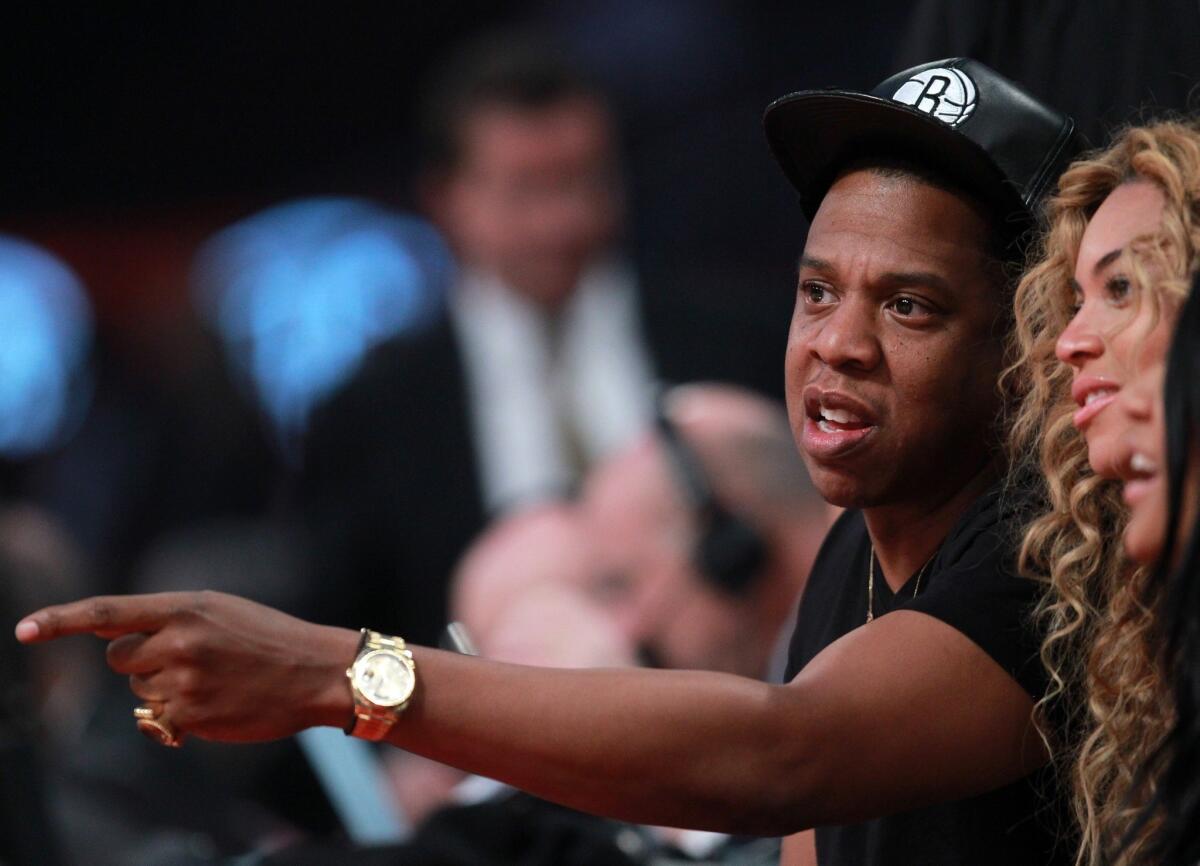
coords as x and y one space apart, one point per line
525 387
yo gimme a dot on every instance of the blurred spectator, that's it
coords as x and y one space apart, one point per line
706 533
536 370
517 557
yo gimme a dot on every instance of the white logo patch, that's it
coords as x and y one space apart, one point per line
947 94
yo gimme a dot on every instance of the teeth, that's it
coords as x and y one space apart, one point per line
1097 395
838 416
1141 463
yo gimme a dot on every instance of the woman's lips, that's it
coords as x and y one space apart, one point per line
1095 403
1136 490
1093 394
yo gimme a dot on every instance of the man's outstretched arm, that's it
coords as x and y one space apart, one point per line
900 713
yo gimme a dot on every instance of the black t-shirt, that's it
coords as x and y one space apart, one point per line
970 584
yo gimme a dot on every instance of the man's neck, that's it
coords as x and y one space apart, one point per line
906 535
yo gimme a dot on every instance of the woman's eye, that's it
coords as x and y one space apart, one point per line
1118 288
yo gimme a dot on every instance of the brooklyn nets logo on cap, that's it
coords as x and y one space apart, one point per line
947 94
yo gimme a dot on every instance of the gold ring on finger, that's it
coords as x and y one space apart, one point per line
160 731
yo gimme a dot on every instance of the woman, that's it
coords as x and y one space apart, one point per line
1157 462
1123 219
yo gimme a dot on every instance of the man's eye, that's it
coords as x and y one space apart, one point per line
815 293
906 306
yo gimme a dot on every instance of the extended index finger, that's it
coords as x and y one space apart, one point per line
104 615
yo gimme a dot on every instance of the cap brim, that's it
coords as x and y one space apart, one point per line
813 134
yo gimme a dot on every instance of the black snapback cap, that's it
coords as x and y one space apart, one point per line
957 116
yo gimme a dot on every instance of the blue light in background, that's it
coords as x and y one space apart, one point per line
45 337
299 293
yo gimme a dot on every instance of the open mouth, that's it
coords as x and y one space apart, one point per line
1093 396
835 424
1140 473
1142 466
838 421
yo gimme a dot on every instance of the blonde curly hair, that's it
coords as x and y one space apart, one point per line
1108 707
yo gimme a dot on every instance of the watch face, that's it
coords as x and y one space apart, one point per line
384 678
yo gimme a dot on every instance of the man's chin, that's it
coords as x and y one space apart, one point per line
549 286
840 488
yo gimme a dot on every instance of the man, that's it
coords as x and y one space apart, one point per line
536 369
917 667
705 530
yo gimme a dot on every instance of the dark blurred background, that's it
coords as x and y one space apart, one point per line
138 449
132 135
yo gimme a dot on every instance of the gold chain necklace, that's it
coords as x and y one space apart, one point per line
871 582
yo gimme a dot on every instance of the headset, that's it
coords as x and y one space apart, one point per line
730 553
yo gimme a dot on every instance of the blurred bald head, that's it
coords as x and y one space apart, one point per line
643 524
523 592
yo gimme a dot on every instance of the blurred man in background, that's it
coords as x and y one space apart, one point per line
536 369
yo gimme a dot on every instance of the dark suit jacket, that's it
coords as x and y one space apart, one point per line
389 495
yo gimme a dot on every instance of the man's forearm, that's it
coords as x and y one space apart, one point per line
700 749
940 720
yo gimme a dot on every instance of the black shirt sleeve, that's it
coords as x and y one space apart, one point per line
977 591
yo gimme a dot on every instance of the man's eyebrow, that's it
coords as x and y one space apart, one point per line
1107 259
899 279
892 278
814 264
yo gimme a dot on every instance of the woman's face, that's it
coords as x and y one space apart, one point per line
1140 458
1115 333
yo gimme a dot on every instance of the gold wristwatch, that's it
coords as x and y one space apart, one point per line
382 680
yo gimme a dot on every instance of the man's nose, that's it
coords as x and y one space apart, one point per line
848 337
1080 341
